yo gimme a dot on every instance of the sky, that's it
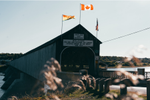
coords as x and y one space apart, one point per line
27 24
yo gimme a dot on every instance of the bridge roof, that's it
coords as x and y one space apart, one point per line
34 61
78 27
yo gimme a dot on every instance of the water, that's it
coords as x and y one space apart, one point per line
1 83
147 69
142 90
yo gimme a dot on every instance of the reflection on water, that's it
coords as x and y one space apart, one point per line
147 69
1 83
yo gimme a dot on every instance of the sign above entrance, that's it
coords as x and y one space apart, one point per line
78 36
78 43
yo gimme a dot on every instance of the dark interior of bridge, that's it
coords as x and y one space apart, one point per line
75 58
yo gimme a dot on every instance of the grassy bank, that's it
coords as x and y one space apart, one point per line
81 95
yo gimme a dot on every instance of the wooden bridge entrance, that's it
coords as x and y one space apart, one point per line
75 58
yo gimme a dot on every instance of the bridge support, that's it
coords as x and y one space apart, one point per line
10 76
19 87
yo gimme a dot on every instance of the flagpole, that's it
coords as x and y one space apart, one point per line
80 15
96 34
61 36
97 29
62 25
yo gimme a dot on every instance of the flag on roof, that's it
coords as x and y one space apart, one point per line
97 25
66 17
86 7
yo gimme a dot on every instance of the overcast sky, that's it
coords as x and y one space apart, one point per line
25 25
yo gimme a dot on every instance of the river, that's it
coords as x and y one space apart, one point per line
1 83
147 69
142 90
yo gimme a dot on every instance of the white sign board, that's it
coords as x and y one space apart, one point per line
78 43
78 36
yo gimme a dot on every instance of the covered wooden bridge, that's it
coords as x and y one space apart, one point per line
75 49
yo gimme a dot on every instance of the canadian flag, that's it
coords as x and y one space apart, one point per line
86 7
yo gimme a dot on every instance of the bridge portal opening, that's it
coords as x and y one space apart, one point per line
75 58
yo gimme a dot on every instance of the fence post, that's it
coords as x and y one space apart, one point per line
123 86
92 82
97 83
107 84
141 71
123 90
101 82
148 89
85 83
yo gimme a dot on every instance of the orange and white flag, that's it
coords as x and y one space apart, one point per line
86 7
65 17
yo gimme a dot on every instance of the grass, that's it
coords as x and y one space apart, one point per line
93 95
79 95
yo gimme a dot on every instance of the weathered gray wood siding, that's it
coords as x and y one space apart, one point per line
34 62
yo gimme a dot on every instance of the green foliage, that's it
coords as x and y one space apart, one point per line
9 56
113 61
111 58
126 64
